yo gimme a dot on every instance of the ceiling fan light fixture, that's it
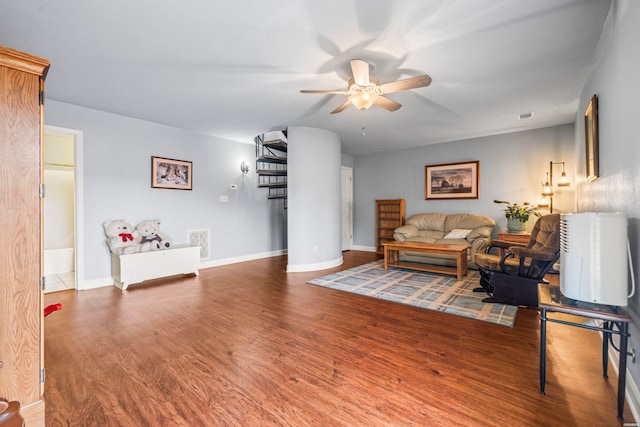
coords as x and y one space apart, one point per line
363 91
363 100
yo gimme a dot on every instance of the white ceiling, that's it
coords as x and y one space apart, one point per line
234 68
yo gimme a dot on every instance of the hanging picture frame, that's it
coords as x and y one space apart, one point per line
171 173
591 139
452 181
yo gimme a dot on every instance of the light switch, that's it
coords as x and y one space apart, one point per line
224 199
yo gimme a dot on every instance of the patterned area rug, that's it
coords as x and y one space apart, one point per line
425 290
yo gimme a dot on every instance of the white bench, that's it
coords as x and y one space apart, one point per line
138 267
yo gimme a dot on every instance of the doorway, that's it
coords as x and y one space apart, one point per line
347 208
63 235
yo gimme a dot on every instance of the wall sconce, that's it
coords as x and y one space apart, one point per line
244 167
547 187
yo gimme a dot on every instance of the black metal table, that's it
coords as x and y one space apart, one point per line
615 322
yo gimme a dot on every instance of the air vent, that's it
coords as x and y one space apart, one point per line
525 116
200 238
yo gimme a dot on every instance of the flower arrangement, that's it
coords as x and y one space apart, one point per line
516 211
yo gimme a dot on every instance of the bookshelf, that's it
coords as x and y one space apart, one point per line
389 216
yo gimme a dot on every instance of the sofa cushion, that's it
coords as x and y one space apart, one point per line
458 233
484 231
431 234
406 232
461 242
429 221
470 221
422 239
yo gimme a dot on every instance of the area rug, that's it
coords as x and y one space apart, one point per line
430 291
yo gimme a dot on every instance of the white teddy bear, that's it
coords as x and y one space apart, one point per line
150 237
121 237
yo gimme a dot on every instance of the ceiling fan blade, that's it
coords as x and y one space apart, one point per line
406 84
342 107
360 70
387 104
334 92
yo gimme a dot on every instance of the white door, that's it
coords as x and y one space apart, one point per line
347 208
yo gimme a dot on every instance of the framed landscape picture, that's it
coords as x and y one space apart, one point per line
171 173
452 181
591 138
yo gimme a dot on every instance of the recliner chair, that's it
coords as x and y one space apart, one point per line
512 277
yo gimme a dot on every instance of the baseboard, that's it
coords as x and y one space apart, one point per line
34 414
632 394
234 260
108 281
299 268
364 248
86 285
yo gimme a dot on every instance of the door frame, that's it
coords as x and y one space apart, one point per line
346 198
78 172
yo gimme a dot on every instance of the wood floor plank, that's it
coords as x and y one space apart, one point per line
251 345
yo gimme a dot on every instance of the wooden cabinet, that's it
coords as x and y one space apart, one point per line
21 312
136 268
522 238
515 237
389 216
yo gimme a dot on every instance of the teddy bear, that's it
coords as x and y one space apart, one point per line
121 237
150 237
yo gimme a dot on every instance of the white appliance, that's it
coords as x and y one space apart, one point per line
593 257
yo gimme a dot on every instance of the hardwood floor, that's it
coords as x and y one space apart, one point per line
250 345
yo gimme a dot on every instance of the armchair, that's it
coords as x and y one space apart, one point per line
512 277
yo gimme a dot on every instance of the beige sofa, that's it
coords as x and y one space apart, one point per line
473 231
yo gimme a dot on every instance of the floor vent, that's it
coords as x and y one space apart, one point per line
200 238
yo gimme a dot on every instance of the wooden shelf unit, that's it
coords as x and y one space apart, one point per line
389 216
21 205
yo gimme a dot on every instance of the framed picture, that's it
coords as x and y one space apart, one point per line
171 173
591 138
452 181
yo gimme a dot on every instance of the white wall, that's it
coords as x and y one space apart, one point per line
117 184
314 184
512 167
58 208
614 78
59 182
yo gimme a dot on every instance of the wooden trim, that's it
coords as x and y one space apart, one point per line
34 414
24 62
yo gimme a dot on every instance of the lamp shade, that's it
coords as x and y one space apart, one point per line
547 190
244 167
564 181
363 100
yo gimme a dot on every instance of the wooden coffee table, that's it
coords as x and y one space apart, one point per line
391 257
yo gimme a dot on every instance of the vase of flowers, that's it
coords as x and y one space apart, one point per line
518 215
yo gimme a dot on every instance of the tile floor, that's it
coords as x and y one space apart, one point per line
59 282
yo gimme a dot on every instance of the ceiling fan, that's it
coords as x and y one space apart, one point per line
362 92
